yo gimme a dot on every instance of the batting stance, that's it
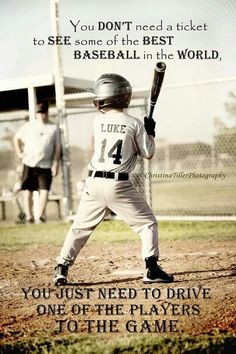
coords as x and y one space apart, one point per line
118 140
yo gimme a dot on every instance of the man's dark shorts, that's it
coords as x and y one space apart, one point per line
35 178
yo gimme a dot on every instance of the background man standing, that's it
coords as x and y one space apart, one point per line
37 143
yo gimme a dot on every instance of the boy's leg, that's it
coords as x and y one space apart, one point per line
134 210
131 207
85 222
91 212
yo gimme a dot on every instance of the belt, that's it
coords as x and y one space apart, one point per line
111 175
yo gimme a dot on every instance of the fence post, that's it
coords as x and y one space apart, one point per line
32 103
60 103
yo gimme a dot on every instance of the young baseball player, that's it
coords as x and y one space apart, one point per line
118 140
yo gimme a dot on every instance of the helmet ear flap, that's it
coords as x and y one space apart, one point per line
98 104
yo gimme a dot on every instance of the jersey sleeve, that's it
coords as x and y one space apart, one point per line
146 145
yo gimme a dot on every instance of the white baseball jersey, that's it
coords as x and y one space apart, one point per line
39 141
119 138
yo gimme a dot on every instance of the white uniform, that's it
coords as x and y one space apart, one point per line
39 141
118 140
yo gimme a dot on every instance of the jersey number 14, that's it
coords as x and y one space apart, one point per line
114 153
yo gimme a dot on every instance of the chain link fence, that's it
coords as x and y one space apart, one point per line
183 179
194 178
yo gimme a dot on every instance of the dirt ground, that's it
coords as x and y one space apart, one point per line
201 299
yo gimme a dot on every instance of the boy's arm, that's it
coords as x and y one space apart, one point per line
153 142
144 141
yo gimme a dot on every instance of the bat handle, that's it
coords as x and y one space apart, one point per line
151 110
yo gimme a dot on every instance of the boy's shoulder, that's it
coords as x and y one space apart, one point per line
133 119
119 116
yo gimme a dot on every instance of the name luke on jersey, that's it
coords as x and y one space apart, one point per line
113 128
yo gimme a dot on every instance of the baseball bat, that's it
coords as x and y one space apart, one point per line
158 78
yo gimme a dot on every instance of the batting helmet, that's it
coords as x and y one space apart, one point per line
113 91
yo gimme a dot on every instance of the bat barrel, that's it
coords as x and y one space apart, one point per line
159 73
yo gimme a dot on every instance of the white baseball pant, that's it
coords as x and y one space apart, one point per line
122 198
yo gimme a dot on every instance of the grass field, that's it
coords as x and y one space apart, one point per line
195 196
16 237
20 244
205 344
169 196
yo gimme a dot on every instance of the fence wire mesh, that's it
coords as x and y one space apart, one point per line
195 178
188 178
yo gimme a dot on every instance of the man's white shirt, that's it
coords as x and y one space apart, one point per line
39 141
